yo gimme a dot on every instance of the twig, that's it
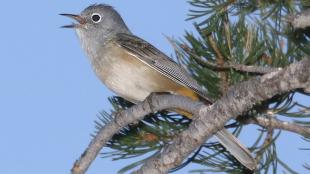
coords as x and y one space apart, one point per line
225 66
152 104
253 69
220 61
239 67
278 124
235 102
265 144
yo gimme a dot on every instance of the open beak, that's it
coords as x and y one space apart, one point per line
81 21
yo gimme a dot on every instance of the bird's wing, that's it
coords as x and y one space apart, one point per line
163 64
154 58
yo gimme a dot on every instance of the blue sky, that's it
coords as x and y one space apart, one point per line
49 96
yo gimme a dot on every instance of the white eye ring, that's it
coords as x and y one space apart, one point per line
96 17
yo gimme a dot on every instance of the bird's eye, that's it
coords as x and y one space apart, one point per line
96 18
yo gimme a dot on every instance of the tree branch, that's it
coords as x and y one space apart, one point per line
137 112
236 101
274 123
220 61
240 67
225 66
266 143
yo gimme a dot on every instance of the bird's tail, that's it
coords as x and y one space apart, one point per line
232 144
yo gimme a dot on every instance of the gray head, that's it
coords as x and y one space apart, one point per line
95 25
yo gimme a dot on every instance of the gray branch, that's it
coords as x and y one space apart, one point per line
253 69
152 104
212 118
238 67
301 20
270 122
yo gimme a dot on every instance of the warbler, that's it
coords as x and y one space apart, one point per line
133 68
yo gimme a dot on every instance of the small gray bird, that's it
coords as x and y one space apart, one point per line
133 68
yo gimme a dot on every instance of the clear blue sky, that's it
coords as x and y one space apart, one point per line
49 96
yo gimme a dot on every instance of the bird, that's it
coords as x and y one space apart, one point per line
133 68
